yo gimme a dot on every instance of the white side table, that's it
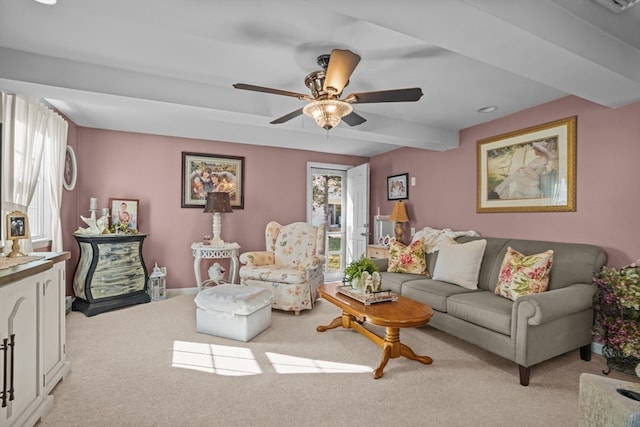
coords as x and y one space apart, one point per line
226 250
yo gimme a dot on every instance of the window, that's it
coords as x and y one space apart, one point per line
39 211
31 169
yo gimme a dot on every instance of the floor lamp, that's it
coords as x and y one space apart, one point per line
217 202
399 215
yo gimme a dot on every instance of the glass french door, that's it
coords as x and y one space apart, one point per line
326 202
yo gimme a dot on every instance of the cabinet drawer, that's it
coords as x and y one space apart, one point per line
374 251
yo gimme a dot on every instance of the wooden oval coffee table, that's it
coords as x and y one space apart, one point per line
392 315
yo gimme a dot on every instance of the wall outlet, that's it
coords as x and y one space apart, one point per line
413 231
413 181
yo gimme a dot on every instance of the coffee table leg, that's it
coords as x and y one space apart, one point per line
393 348
334 324
386 355
406 351
344 321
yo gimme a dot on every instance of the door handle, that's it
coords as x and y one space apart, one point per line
4 348
12 344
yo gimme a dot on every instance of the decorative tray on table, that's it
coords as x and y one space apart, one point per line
368 299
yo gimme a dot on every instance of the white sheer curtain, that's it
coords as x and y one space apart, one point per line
24 130
56 149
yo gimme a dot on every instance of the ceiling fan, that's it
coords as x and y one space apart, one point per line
326 85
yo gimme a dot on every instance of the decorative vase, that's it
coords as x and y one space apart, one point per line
617 322
619 362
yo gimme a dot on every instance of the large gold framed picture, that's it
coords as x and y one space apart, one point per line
204 173
530 170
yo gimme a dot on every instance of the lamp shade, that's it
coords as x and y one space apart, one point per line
327 113
399 213
218 202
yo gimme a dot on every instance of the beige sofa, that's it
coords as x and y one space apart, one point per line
529 330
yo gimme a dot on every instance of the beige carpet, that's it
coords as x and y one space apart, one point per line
122 375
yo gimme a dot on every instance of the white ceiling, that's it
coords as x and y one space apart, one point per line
167 67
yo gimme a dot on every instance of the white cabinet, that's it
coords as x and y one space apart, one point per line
23 394
32 337
56 365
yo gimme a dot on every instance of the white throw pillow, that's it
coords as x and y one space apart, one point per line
459 263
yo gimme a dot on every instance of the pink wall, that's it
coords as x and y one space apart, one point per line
608 178
69 214
148 167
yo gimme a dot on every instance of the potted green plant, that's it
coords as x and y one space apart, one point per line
617 304
354 270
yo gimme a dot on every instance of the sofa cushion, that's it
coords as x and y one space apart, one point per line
459 263
524 274
395 281
432 292
482 308
407 259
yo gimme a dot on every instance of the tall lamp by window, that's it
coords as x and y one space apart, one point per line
217 202
399 215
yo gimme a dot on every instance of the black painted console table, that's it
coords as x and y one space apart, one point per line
110 273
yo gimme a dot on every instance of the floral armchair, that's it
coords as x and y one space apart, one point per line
291 267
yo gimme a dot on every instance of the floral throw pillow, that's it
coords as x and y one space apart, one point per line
522 275
407 259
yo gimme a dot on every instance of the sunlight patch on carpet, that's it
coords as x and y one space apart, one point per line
214 359
284 364
240 361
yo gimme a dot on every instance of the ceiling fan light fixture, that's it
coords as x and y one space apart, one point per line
328 112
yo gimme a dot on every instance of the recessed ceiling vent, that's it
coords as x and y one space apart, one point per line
617 6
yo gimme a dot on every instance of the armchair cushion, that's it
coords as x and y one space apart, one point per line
294 243
279 273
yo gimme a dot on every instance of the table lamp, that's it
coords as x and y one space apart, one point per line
217 203
399 215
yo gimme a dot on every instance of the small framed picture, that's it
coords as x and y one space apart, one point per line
125 211
17 226
397 188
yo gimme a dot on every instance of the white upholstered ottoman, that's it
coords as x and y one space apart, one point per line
233 311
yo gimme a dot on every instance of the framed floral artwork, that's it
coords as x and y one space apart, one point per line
530 170
204 173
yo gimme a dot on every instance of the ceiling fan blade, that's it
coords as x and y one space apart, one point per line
269 90
287 117
353 119
393 95
341 65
